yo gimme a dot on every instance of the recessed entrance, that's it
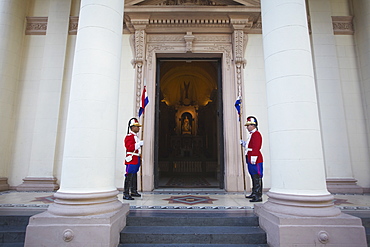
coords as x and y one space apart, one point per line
189 138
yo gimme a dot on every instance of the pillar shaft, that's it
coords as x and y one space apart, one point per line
12 14
329 90
298 195
45 134
362 38
89 151
297 166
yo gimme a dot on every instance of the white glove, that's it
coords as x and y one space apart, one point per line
139 144
253 159
243 143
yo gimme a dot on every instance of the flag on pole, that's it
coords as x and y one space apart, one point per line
144 101
237 105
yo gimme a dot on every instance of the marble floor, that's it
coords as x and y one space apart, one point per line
214 199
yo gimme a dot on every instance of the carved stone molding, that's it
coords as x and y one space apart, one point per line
73 25
239 46
240 41
343 25
201 43
36 25
138 62
189 41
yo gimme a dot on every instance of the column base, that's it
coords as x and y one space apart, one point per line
343 185
4 184
38 184
290 230
308 220
47 229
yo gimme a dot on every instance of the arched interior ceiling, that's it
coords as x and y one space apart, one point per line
188 83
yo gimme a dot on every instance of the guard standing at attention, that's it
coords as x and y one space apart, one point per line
133 159
254 158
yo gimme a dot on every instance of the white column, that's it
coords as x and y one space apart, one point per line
362 35
298 195
297 164
12 15
331 107
360 122
86 211
89 151
41 168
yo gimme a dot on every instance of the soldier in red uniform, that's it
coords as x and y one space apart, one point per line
254 158
133 160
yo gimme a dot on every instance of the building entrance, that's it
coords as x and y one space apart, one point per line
189 138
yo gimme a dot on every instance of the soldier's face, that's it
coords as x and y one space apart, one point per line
251 127
135 129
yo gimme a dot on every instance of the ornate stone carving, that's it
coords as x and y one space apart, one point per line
226 49
139 45
73 25
152 49
239 47
190 2
138 61
36 25
189 41
68 235
165 38
343 25
240 41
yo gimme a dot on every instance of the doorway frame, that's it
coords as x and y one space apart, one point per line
220 45
220 120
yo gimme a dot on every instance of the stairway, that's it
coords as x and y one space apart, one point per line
365 218
13 230
196 229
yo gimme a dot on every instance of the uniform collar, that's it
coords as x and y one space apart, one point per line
253 131
133 133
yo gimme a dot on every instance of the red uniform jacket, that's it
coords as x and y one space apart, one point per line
131 149
254 147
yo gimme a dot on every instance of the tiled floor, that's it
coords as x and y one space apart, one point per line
169 199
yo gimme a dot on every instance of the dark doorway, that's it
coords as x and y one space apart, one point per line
189 137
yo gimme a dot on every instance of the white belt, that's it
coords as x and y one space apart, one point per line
136 154
249 149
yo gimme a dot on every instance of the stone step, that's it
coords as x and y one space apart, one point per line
192 245
193 234
142 218
365 218
14 220
12 245
198 229
13 230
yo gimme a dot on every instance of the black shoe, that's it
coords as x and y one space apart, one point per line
251 196
127 198
256 199
135 194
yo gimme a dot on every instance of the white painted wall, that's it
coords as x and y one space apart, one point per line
126 107
12 16
30 76
354 110
254 97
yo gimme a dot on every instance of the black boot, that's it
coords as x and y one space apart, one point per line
253 189
258 191
126 189
134 186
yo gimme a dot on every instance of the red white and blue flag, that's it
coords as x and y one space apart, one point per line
144 101
237 105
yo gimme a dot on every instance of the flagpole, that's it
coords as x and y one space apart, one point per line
142 105
241 146
142 153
